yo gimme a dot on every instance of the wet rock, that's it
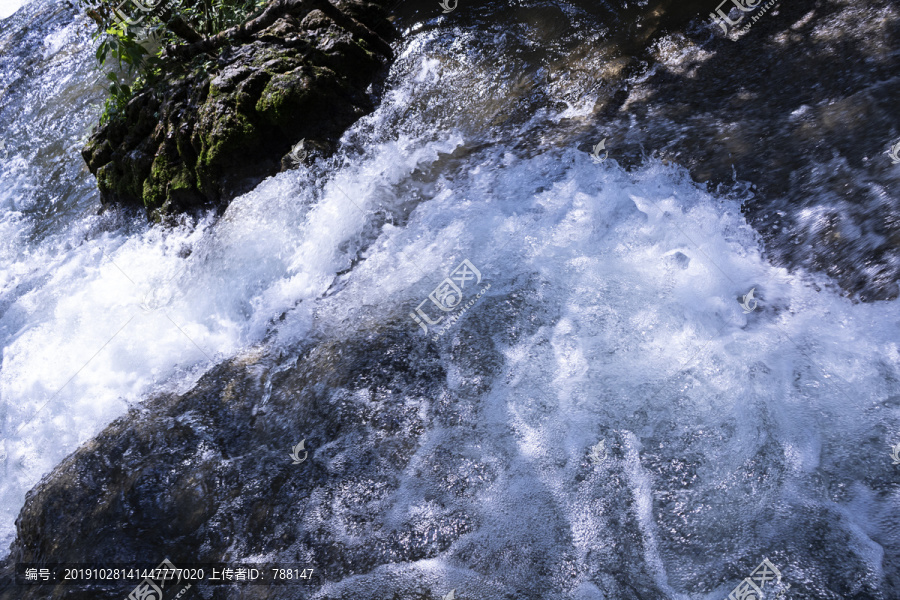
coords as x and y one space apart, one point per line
796 105
792 113
207 475
401 470
230 109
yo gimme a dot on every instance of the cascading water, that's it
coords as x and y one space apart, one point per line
9 7
613 315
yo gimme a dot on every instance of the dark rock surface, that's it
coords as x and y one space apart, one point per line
794 115
224 117
391 479
802 107
208 476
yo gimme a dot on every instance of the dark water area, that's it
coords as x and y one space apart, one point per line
663 365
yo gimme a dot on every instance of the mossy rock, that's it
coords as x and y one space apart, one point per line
203 136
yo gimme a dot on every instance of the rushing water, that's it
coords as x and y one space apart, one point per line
727 434
8 7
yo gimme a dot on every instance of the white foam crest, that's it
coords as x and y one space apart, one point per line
639 277
8 7
114 318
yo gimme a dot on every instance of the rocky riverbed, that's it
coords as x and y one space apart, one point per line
735 159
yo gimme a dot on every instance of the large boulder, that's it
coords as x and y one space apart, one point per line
230 108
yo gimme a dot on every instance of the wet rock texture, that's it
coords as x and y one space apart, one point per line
402 468
227 115
208 475
798 102
793 111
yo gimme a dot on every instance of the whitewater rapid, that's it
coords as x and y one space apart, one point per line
627 284
8 7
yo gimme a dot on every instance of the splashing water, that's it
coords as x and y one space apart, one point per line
727 434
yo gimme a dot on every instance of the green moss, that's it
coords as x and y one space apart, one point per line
106 179
183 180
121 181
288 95
186 141
229 136
166 177
154 188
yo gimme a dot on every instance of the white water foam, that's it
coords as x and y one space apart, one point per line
8 7
112 319
636 277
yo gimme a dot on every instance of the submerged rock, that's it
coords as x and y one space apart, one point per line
234 105
796 104
401 472
208 476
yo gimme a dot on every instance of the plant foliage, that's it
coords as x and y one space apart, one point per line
134 33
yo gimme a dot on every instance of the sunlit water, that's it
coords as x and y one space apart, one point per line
735 433
8 7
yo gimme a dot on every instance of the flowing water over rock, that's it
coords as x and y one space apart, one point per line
606 308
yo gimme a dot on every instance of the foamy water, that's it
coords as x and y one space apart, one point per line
8 7
716 421
728 434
